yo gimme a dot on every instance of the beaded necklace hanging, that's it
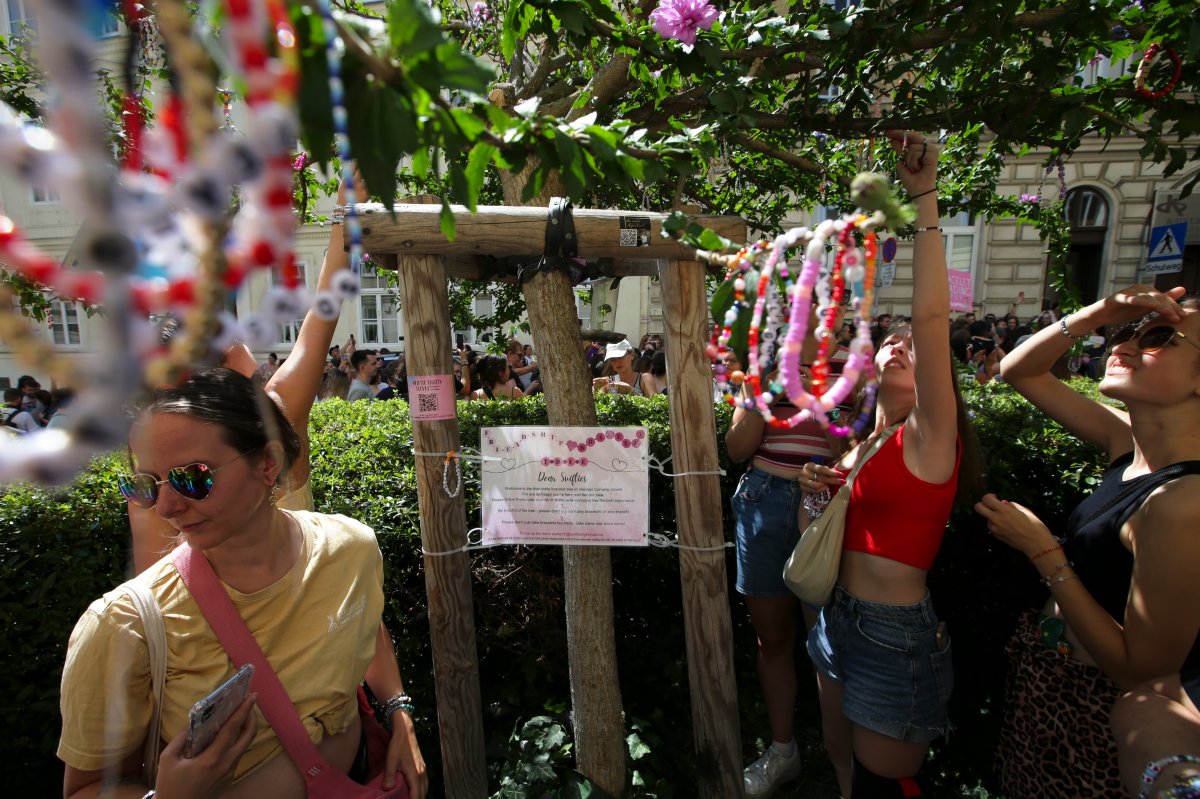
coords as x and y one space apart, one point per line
182 168
850 281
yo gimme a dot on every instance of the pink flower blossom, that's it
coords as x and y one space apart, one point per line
682 19
300 161
481 12
1029 198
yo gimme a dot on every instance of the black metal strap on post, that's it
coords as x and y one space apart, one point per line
561 246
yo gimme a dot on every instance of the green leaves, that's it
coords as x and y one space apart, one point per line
412 28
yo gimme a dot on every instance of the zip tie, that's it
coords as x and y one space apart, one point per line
667 542
470 546
660 466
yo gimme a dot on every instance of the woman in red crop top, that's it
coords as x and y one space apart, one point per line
1124 605
883 664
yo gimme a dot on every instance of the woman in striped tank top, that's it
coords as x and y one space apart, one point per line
766 509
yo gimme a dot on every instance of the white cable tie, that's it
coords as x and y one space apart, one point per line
667 542
470 546
660 467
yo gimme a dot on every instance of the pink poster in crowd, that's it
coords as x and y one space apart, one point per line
565 485
960 290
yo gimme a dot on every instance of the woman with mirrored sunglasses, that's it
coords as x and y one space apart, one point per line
1124 604
208 456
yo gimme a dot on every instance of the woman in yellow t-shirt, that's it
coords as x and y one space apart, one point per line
209 455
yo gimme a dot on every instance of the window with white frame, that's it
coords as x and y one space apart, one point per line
21 16
480 306
1104 68
960 235
44 195
379 316
286 332
64 323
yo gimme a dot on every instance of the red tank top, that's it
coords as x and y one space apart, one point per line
895 514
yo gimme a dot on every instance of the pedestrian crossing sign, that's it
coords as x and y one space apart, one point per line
1166 248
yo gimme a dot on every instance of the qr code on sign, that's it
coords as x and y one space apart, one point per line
427 403
629 238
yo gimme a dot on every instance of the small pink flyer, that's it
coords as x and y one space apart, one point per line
431 398
566 486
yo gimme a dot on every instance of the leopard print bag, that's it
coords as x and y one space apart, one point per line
1055 740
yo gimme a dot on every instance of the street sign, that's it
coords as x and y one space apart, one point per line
1166 249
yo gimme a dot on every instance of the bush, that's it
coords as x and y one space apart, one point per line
60 549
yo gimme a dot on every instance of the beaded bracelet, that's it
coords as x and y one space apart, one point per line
1062 326
1186 787
1156 767
1049 579
400 701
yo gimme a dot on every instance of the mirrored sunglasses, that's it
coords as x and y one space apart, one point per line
193 481
1148 339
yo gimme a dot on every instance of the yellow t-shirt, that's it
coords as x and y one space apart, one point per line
317 626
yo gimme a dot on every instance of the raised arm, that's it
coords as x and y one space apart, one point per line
1027 368
931 432
298 379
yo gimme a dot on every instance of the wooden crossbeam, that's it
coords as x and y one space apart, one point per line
503 231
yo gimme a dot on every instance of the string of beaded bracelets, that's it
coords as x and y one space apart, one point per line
1143 71
850 265
400 701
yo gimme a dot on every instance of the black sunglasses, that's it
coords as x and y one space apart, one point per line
193 481
1148 340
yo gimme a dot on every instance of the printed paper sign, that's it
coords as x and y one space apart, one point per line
635 231
565 485
885 276
960 290
431 398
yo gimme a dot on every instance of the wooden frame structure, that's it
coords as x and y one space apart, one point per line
410 240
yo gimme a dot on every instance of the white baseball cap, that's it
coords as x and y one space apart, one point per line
617 350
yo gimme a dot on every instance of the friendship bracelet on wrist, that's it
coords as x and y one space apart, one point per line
1062 326
1063 579
922 194
1060 567
1055 548
400 701
927 229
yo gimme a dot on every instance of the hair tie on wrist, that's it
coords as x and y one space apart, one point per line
922 194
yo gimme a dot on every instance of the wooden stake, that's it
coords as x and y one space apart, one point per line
423 297
708 628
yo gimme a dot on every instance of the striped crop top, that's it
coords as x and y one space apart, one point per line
792 447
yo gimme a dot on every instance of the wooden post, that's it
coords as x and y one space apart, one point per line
426 312
587 571
707 624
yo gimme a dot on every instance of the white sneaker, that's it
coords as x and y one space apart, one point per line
764 776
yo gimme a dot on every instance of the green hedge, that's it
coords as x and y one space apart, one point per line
61 549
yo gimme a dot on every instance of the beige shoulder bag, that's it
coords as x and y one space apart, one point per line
812 570
156 646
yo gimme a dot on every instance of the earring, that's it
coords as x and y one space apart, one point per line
274 498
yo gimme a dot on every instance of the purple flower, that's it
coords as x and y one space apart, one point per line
481 12
1029 198
682 19
300 161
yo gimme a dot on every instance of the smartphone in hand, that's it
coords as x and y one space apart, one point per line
210 713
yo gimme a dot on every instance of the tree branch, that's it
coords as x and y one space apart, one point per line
789 158
545 66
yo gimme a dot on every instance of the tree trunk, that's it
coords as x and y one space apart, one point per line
596 710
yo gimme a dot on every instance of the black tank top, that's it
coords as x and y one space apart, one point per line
1093 543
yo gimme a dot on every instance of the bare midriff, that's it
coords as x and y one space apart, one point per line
877 579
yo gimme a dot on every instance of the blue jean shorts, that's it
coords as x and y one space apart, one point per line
897 681
766 517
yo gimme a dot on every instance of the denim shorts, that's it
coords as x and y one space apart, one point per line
896 680
766 517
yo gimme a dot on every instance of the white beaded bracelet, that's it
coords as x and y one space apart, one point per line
1062 326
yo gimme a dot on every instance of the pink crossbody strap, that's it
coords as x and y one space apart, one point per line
239 644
